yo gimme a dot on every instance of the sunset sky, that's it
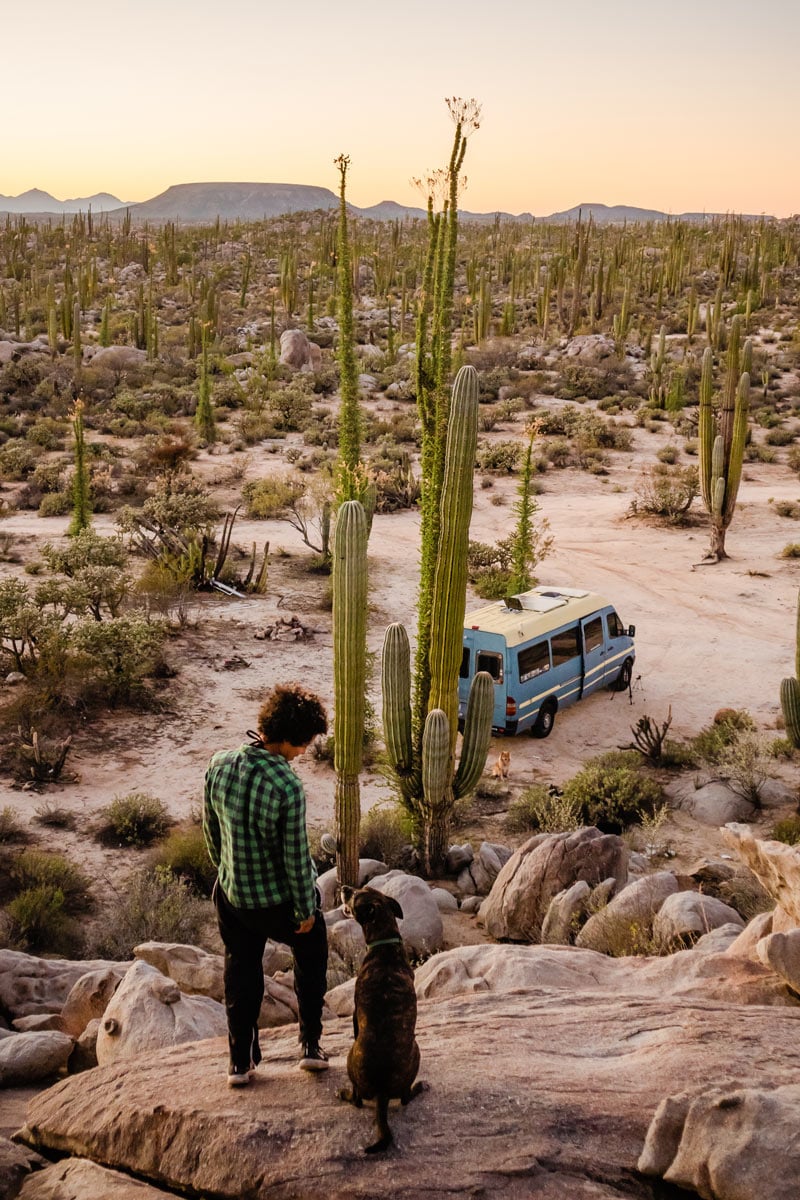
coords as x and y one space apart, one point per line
688 105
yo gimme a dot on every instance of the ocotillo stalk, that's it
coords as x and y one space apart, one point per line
349 679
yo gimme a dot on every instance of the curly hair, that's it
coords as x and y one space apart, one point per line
291 714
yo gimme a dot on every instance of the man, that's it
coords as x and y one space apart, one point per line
254 822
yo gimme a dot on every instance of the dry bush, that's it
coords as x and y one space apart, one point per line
664 492
153 906
137 819
541 809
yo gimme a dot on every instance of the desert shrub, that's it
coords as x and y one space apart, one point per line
780 437
38 922
47 433
744 764
253 427
271 496
668 454
676 754
791 550
744 892
185 855
291 404
711 741
662 492
10 828
119 653
55 816
499 458
612 797
384 834
38 869
153 906
137 819
542 809
55 504
17 460
787 830
781 747
788 508
793 459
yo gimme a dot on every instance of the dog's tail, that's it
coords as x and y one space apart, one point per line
382 1121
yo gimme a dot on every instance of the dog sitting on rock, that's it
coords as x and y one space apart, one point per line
384 1058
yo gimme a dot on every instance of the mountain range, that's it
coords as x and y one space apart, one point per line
203 202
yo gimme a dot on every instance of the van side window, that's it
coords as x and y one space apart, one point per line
533 660
565 645
615 627
493 663
593 633
464 672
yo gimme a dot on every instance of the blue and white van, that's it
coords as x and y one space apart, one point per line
545 649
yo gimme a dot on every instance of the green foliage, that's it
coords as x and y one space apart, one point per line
185 855
271 496
611 797
710 742
137 819
665 492
39 924
81 501
10 828
787 830
54 504
119 653
38 869
153 906
499 458
386 832
541 809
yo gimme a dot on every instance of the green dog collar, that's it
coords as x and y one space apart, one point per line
395 941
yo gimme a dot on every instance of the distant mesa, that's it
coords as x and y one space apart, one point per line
202 202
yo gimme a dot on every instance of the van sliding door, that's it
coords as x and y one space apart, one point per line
594 653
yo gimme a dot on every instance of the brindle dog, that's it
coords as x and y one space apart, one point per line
384 1058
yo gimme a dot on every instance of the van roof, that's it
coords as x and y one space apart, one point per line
539 611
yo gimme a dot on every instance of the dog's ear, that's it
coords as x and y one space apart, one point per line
394 908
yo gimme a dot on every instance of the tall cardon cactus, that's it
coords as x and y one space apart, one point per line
723 437
349 679
790 692
425 766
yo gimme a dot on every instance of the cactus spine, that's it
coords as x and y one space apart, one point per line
723 438
424 765
349 678
790 692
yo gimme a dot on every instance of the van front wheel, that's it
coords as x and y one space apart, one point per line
543 725
623 680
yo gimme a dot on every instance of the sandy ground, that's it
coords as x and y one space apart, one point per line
707 637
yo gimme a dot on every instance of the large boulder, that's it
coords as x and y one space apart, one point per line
746 944
686 916
81 1179
298 352
563 1082
16 1162
715 803
777 868
149 1011
566 914
196 971
781 952
541 868
625 925
28 1057
41 985
728 1143
421 928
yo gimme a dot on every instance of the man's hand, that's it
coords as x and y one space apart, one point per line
306 926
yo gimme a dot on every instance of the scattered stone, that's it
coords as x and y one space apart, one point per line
566 914
37 1022
84 1052
745 944
475 880
26 1058
717 941
80 1179
88 999
626 923
16 1162
591 347
14 677
776 866
541 868
493 858
716 804
196 971
445 901
296 350
471 904
286 629
35 985
781 951
458 857
148 1011
117 358
367 384
688 915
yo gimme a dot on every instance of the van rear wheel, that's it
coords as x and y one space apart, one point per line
623 680
543 725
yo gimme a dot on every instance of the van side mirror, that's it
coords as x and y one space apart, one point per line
631 631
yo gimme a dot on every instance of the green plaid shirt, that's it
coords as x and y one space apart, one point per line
254 821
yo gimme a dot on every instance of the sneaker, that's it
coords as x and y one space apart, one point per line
313 1057
237 1079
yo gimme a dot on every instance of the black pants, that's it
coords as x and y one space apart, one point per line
244 932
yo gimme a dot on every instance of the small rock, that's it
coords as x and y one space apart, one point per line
25 1058
471 904
781 952
458 857
446 901
686 915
